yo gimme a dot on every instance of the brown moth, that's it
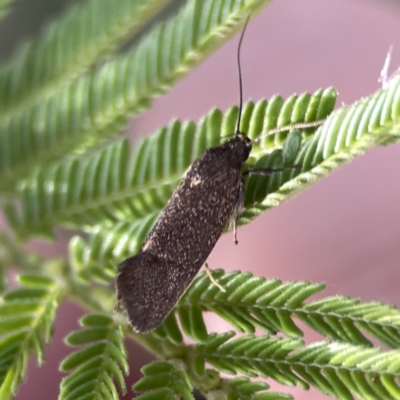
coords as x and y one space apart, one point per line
210 195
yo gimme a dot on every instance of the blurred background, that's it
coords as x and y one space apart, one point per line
345 230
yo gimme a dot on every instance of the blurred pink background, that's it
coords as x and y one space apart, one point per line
343 231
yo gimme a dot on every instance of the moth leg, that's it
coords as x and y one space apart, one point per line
267 171
241 190
117 302
238 209
212 279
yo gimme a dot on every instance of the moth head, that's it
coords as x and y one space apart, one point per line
246 142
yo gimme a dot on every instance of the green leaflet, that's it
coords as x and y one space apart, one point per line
93 367
162 381
87 111
337 369
245 389
67 48
26 324
116 185
251 303
350 131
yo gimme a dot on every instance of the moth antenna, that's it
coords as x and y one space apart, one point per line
240 75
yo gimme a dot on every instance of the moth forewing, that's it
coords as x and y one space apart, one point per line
150 283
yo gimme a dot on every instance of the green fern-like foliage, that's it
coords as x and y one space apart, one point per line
26 323
67 48
64 98
82 113
116 184
338 369
164 382
94 366
251 303
345 367
244 389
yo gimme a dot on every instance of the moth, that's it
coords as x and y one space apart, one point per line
209 196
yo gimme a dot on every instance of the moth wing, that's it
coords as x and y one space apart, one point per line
148 287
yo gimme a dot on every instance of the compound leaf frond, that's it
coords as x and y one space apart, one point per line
116 184
337 369
27 317
96 106
93 367
162 380
67 48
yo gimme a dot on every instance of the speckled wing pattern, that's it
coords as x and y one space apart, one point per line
151 282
